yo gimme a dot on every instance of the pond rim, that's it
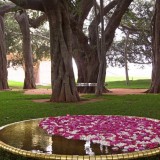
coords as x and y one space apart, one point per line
29 154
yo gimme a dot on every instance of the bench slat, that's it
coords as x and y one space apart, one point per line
86 84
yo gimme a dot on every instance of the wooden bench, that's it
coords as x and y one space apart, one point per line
86 84
87 87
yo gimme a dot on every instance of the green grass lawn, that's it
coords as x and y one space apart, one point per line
113 82
135 84
19 85
15 85
15 106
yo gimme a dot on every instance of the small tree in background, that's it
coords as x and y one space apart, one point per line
136 21
22 19
38 41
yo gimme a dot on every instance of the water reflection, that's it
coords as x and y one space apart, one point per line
88 148
29 136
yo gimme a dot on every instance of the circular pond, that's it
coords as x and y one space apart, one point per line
26 138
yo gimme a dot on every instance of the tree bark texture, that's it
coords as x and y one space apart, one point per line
3 60
155 84
85 56
86 60
62 76
35 23
22 19
101 56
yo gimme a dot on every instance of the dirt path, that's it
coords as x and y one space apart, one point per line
118 91
122 91
38 91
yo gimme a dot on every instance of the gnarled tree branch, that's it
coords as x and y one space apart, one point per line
35 23
7 8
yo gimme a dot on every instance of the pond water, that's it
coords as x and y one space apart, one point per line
27 135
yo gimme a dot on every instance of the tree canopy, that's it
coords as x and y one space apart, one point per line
67 38
136 22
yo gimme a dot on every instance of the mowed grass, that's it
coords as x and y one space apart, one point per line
19 85
134 84
15 106
15 85
113 82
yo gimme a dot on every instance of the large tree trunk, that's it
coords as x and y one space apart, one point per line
155 84
86 60
87 72
87 55
62 76
3 61
29 81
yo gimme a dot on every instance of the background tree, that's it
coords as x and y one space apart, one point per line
125 57
155 84
39 41
137 22
22 19
3 61
13 41
39 38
